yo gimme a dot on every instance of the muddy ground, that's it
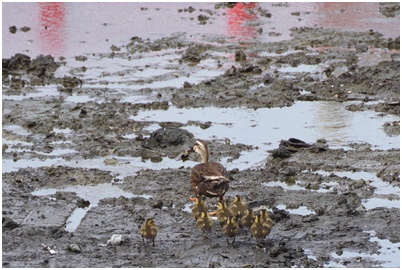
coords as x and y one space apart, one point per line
338 221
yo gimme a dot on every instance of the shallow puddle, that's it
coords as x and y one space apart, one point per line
381 188
284 185
93 194
265 127
388 256
301 210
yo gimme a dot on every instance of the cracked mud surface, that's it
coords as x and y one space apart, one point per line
321 200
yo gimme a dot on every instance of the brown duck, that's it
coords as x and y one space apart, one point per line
208 179
149 231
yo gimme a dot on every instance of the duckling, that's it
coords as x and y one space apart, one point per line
247 220
223 213
198 208
149 231
231 229
209 179
260 229
265 216
238 207
204 222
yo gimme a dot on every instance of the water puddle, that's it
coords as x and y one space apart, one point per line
38 92
380 202
284 185
8 165
302 68
388 254
301 210
381 188
79 98
93 194
17 130
312 120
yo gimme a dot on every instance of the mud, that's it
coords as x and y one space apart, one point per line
323 205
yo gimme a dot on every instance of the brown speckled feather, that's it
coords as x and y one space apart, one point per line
209 179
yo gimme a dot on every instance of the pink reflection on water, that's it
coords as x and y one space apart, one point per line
52 28
237 19
352 16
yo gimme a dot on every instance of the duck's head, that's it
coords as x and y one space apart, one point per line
237 198
150 222
221 205
231 220
201 147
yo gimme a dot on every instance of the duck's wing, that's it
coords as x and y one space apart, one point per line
210 179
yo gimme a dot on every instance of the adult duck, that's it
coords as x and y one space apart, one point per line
208 179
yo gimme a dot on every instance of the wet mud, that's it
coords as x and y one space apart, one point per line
331 207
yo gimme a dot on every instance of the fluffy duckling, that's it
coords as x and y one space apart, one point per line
231 229
260 228
238 207
265 216
223 213
198 208
149 231
247 220
204 222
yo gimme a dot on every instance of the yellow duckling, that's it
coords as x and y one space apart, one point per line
265 216
238 207
204 222
223 213
149 231
231 229
260 228
247 220
198 208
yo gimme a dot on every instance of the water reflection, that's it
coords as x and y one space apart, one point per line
52 30
238 17
353 16
332 121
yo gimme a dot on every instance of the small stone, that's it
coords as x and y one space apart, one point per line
240 56
158 204
75 248
12 29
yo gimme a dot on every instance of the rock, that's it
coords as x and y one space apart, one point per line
165 137
115 240
268 79
231 71
186 84
240 56
75 248
12 29
19 61
194 53
9 224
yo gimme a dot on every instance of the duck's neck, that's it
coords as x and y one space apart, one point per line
205 157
